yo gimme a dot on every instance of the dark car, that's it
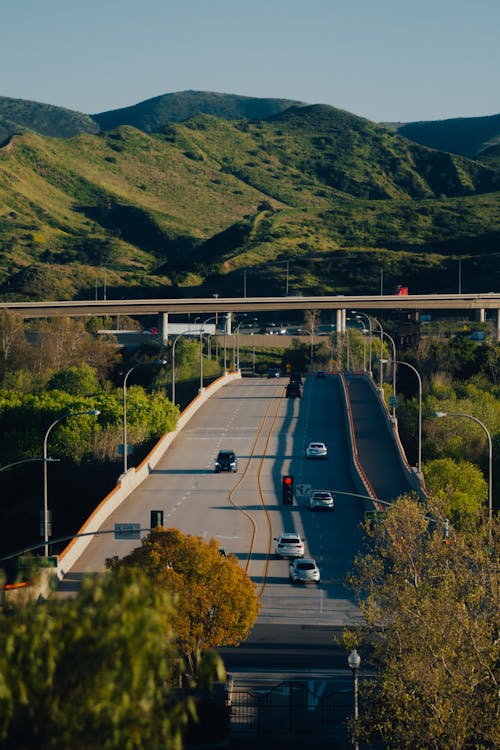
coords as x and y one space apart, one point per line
273 372
294 390
226 461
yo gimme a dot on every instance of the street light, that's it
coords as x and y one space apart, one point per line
214 317
125 446
183 333
381 350
311 334
490 462
358 315
354 660
393 373
45 521
399 362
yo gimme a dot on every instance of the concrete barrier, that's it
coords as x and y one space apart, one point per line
134 476
361 481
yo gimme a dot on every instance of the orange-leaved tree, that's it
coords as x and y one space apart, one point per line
216 600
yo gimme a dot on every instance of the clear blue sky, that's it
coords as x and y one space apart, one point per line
387 60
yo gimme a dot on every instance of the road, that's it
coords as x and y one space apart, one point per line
243 511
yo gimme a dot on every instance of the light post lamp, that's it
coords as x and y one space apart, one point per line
311 334
354 660
45 520
125 446
406 364
381 351
183 333
364 315
393 373
490 462
202 388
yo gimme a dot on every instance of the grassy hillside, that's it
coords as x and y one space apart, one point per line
468 136
153 114
20 115
185 210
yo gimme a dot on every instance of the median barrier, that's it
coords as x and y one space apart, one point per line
128 481
361 481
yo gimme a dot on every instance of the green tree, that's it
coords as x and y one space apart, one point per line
434 608
97 670
216 600
459 489
79 381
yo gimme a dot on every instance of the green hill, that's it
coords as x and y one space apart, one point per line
469 136
187 209
153 114
19 116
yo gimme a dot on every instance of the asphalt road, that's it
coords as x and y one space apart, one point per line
243 511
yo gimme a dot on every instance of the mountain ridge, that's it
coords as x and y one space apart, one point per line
185 209
473 137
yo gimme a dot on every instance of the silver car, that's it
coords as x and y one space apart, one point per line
321 500
304 571
316 450
289 544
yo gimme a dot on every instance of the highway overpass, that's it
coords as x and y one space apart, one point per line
479 304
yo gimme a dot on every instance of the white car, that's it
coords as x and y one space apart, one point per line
289 544
321 500
304 571
316 450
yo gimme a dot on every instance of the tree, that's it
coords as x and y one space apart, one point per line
459 489
79 381
216 600
435 609
97 670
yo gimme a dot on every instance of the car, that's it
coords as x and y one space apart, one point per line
321 374
289 544
273 372
226 461
321 500
316 450
304 571
294 390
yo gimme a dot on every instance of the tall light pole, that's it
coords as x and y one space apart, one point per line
182 333
311 334
45 518
354 660
381 351
202 388
393 373
490 462
358 315
125 446
407 364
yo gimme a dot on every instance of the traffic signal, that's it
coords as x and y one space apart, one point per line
287 491
156 518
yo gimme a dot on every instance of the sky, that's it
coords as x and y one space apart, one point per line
386 60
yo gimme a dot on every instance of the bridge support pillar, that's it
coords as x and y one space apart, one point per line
338 327
228 323
498 325
480 315
163 327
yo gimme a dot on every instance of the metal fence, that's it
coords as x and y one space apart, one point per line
291 709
